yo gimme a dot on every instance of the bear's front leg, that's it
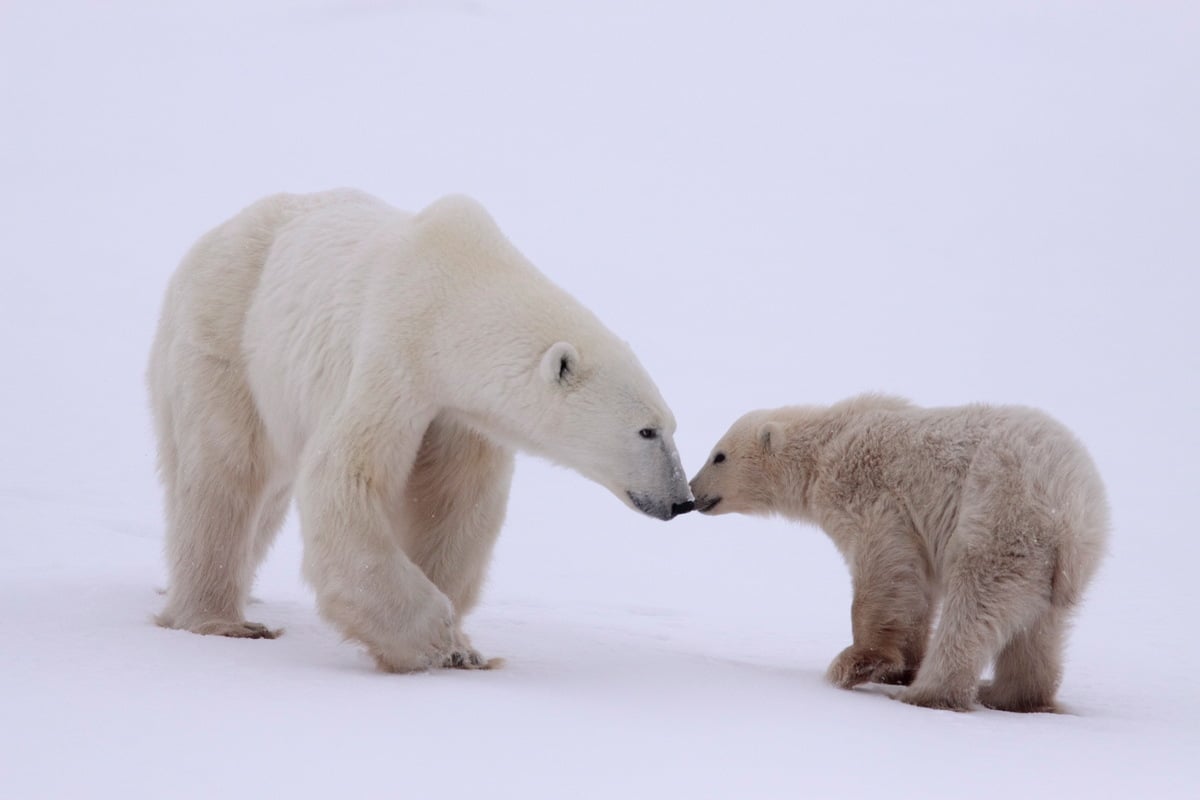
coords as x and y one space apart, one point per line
453 508
365 584
890 614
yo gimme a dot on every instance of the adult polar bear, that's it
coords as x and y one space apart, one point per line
385 366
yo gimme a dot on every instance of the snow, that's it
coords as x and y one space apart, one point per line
774 203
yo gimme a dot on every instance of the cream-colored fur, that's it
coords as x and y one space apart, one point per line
996 512
382 366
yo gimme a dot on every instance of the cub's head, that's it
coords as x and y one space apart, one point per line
737 478
602 416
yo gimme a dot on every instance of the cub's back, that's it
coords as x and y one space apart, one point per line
908 452
924 460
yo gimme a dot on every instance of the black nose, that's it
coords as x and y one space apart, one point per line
681 508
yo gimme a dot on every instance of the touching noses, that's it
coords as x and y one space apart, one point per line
682 508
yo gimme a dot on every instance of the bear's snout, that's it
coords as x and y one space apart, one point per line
704 502
663 508
681 508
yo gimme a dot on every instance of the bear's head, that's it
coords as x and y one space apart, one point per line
522 361
738 476
602 416
768 461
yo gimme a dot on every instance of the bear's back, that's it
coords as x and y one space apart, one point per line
919 458
917 444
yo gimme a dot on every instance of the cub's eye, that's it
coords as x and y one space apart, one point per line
648 433
718 458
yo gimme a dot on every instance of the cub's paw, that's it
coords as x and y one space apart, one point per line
245 630
856 665
234 629
902 677
946 700
1005 699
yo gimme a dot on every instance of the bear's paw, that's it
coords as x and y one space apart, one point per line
857 665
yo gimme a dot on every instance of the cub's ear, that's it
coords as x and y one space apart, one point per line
772 436
560 363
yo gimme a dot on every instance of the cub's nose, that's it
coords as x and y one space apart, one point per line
681 508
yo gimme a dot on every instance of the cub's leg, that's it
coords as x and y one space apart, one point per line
891 610
214 466
353 473
454 506
1029 667
997 584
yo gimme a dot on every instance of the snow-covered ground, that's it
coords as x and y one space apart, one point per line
774 203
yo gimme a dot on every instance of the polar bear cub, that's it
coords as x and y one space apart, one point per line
996 512
382 367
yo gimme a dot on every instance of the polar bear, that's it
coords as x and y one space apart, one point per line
383 367
996 512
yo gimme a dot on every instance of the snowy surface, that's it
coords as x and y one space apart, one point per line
774 203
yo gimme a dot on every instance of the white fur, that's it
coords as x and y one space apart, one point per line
383 366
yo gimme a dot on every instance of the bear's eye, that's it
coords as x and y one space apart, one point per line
648 433
718 458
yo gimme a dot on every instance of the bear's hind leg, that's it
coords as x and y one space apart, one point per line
985 604
1029 667
214 481
454 506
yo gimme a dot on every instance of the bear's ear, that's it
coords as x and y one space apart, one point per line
772 437
560 363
